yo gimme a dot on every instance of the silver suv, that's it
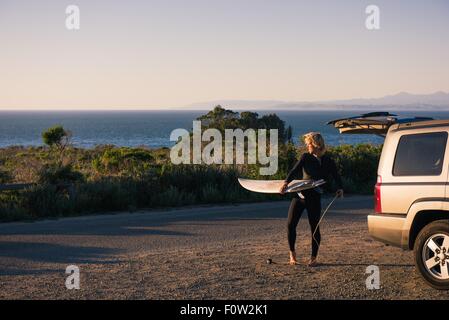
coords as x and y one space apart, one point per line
412 190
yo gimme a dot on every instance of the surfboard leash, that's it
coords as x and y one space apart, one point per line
322 216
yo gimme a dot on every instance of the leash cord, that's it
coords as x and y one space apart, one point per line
324 213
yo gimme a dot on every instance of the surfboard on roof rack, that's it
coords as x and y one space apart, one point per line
371 123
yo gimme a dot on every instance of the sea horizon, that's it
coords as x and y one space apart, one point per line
152 128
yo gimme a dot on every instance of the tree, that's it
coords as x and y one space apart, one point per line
289 134
272 121
220 118
57 138
249 120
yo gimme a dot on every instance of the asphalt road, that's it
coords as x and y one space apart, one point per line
204 253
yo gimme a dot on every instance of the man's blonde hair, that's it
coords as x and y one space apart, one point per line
316 140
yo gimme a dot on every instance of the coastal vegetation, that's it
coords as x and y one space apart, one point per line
64 180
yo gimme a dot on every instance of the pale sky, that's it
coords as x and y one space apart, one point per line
169 53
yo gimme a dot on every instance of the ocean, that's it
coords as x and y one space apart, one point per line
153 128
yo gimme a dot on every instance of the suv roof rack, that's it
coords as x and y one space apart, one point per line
373 123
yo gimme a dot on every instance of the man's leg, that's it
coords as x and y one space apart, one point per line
313 204
297 206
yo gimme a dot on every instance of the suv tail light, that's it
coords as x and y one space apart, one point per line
377 195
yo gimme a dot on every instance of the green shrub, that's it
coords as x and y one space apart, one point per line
5 177
211 194
47 201
357 165
55 136
12 207
108 178
105 195
172 197
123 161
56 174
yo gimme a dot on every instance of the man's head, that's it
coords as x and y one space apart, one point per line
315 143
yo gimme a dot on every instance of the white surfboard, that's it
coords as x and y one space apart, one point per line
273 186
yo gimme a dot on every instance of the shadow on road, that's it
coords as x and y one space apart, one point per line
118 228
24 272
141 224
56 253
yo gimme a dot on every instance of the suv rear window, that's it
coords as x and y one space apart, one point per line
420 154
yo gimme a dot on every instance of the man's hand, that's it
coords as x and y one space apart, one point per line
283 188
340 193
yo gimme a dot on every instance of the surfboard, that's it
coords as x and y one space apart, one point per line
273 186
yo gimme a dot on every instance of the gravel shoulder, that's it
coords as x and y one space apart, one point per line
216 252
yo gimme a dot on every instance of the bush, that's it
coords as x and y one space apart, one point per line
55 136
12 207
109 178
46 201
4 177
358 166
105 195
123 161
172 197
56 175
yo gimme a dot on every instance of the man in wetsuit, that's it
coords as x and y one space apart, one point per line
314 165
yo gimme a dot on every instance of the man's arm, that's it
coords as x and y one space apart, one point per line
298 166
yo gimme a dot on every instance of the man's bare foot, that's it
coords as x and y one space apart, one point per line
293 260
312 262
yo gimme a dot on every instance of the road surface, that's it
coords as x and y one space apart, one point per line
209 252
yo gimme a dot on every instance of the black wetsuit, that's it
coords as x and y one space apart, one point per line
309 167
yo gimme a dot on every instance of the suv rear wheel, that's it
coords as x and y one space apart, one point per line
432 254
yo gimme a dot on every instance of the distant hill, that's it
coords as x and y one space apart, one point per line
402 100
439 98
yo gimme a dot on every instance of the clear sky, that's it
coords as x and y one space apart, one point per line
168 53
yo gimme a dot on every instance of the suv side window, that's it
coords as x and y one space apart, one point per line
420 154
